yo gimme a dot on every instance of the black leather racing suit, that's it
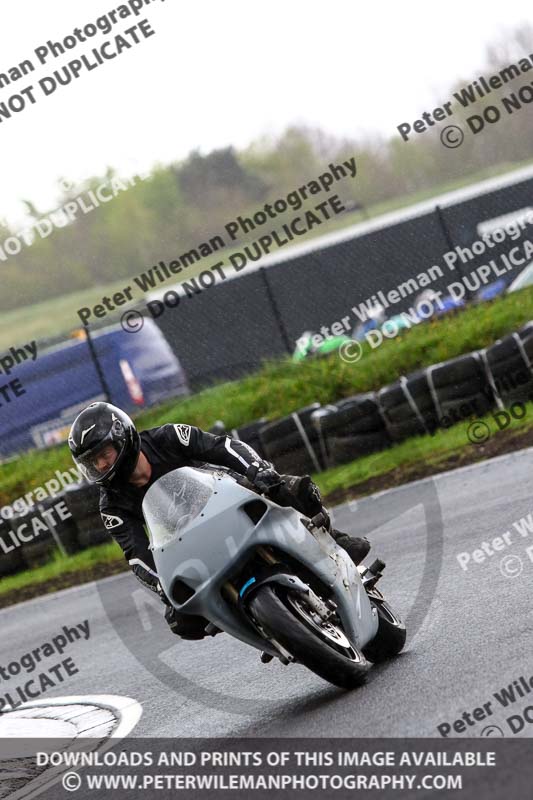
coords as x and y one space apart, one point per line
167 448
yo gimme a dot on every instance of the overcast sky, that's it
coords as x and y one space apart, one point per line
220 73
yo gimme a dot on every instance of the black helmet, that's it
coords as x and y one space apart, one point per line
101 424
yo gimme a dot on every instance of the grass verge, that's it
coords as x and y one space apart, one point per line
61 572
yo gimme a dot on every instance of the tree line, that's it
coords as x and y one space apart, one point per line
184 203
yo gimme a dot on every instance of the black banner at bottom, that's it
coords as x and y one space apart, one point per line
198 769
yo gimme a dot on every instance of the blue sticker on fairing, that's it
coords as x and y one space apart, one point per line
246 585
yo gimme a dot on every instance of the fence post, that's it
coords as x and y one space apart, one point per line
276 311
449 241
98 368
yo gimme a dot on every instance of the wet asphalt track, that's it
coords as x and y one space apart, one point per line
470 633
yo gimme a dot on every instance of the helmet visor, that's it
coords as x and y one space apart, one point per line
100 463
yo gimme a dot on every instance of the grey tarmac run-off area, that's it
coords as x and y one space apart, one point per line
474 637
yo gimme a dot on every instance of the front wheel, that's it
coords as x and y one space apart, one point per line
319 645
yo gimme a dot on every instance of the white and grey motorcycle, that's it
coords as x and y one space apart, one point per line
267 575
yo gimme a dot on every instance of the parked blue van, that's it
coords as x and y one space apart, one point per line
140 370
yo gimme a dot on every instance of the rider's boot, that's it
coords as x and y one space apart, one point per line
357 547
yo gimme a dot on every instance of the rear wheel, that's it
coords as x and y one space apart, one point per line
391 635
320 645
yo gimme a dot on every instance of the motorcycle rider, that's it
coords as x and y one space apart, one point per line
109 451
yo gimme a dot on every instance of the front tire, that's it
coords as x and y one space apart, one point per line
324 649
391 635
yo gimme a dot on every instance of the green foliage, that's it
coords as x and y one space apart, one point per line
60 565
187 202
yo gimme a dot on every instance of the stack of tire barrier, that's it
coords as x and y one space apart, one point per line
460 389
292 442
250 434
352 428
66 530
509 363
39 549
407 406
10 555
83 503
43 530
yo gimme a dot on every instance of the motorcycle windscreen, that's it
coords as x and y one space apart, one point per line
174 501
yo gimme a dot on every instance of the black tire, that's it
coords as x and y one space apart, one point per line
38 553
522 394
250 434
391 635
502 350
353 416
302 641
395 404
297 462
526 337
478 404
399 431
526 330
343 449
405 414
463 391
288 444
11 561
282 428
91 537
457 370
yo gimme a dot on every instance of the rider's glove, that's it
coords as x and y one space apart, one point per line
264 478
